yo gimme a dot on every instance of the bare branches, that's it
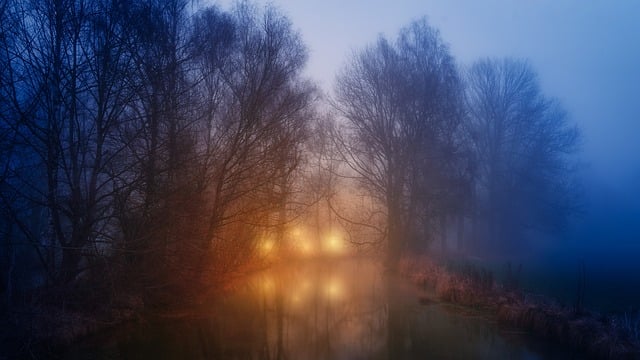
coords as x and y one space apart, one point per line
522 142
139 134
401 103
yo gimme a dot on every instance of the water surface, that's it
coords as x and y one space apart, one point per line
340 309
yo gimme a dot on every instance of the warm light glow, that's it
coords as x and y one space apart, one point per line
301 291
300 241
267 283
306 247
333 289
266 246
334 244
296 232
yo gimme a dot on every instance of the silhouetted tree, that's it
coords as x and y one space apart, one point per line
144 141
7 152
259 121
156 203
522 142
401 102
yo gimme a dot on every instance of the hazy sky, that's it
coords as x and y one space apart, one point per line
587 54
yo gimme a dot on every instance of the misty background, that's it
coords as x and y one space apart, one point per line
586 55
153 153
189 142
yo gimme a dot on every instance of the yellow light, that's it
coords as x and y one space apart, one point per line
334 244
296 232
266 246
333 289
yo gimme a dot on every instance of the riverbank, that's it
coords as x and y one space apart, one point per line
38 328
598 335
326 309
51 320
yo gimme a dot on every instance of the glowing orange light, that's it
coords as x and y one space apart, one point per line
334 244
296 232
266 246
267 283
306 247
333 289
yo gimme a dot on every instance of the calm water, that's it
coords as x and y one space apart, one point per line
342 309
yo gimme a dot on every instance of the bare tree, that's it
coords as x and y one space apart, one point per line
7 152
141 139
255 131
401 103
69 69
522 142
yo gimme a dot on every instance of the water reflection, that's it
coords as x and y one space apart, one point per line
321 310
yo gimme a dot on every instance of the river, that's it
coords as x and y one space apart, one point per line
332 309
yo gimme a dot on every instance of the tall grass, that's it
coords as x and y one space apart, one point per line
598 335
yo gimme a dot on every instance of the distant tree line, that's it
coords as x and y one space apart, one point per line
142 143
480 150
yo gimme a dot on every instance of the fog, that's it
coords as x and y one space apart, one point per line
585 54
156 156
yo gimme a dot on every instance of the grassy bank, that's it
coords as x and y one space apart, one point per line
598 335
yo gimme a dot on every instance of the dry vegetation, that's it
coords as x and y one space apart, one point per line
600 336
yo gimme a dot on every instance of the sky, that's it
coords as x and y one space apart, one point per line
586 53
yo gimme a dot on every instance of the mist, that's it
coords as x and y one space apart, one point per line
242 179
